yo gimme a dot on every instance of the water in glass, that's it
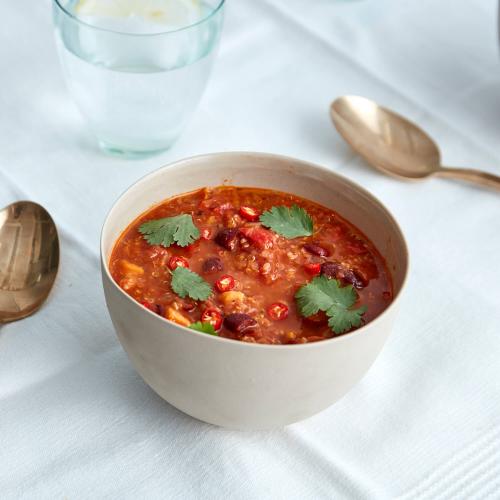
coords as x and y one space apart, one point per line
136 74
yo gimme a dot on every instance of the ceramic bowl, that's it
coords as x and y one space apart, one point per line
236 384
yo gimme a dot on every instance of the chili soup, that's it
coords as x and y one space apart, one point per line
253 265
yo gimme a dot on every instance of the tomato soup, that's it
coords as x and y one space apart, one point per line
253 265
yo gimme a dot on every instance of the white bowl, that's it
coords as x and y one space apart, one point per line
236 384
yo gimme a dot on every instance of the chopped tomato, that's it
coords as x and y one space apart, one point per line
149 306
225 283
249 213
213 317
175 262
260 237
312 268
277 311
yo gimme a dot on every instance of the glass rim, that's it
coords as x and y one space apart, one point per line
212 13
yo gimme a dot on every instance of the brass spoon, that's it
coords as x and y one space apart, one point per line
394 145
29 259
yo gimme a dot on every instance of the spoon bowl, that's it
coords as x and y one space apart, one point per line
29 259
393 144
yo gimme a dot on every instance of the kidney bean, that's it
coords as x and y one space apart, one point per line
330 269
212 265
316 250
352 277
239 322
337 271
227 238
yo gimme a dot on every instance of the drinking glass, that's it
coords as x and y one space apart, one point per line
137 68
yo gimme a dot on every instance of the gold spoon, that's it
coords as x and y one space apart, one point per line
394 145
29 259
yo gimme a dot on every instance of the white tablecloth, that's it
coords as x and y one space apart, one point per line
76 421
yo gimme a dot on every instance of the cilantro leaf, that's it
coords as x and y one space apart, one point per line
289 222
179 229
341 320
321 294
186 282
324 294
203 327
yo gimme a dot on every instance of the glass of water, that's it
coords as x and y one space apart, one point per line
137 68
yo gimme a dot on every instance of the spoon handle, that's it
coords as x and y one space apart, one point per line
468 174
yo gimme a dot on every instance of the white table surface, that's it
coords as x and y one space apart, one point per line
77 422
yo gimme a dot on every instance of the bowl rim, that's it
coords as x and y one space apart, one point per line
238 343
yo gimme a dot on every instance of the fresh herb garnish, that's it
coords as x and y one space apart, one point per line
341 320
179 229
199 326
290 222
186 282
323 294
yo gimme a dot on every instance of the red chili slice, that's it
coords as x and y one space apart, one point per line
249 213
277 311
175 262
312 268
225 283
213 317
212 265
